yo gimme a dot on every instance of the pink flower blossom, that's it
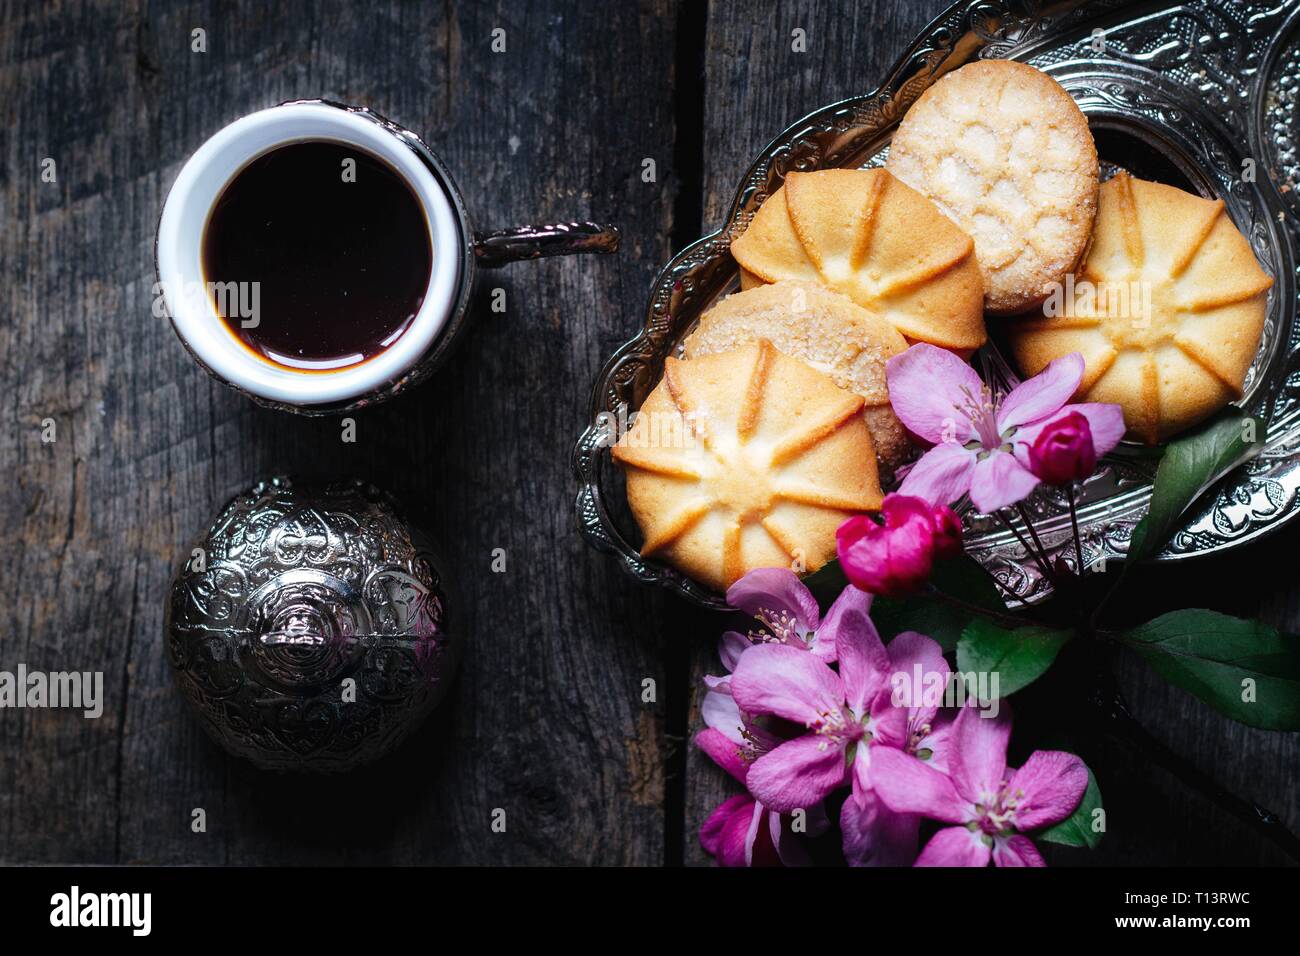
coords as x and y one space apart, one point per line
719 708
743 832
788 613
991 808
947 532
844 714
981 444
895 558
1063 451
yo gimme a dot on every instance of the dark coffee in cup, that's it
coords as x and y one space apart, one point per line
318 258
331 246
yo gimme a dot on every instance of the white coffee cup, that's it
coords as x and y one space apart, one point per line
188 300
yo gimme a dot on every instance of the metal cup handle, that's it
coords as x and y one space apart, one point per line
494 249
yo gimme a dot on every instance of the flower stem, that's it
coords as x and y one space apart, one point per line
1033 532
1074 524
1037 555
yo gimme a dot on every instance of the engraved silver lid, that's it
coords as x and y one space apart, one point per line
308 626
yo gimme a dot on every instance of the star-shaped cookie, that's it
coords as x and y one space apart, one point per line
746 459
1167 311
876 240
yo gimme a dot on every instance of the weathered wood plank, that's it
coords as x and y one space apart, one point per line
546 719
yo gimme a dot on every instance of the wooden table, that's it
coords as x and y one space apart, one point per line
547 718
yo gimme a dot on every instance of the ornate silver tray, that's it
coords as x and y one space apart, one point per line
1204 95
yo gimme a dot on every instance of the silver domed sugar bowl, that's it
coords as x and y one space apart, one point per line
308 626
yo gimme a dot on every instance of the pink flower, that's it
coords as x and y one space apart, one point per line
873 834
844 714
1063 451
947 532
719 708
991 808
743 832
788 613
894 559
789 616
981 445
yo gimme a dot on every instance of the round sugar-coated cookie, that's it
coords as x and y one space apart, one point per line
825 329
1005 151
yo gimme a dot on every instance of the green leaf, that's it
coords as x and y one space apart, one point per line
1214 655
1191 465
1077 828
1018 657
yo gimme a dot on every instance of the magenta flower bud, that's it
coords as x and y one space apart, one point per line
893 557
947 532
1063 451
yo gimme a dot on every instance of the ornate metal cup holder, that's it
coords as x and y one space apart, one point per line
1204 98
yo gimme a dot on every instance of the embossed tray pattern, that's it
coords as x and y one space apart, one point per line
1203 94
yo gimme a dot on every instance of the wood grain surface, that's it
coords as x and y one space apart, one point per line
547 718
